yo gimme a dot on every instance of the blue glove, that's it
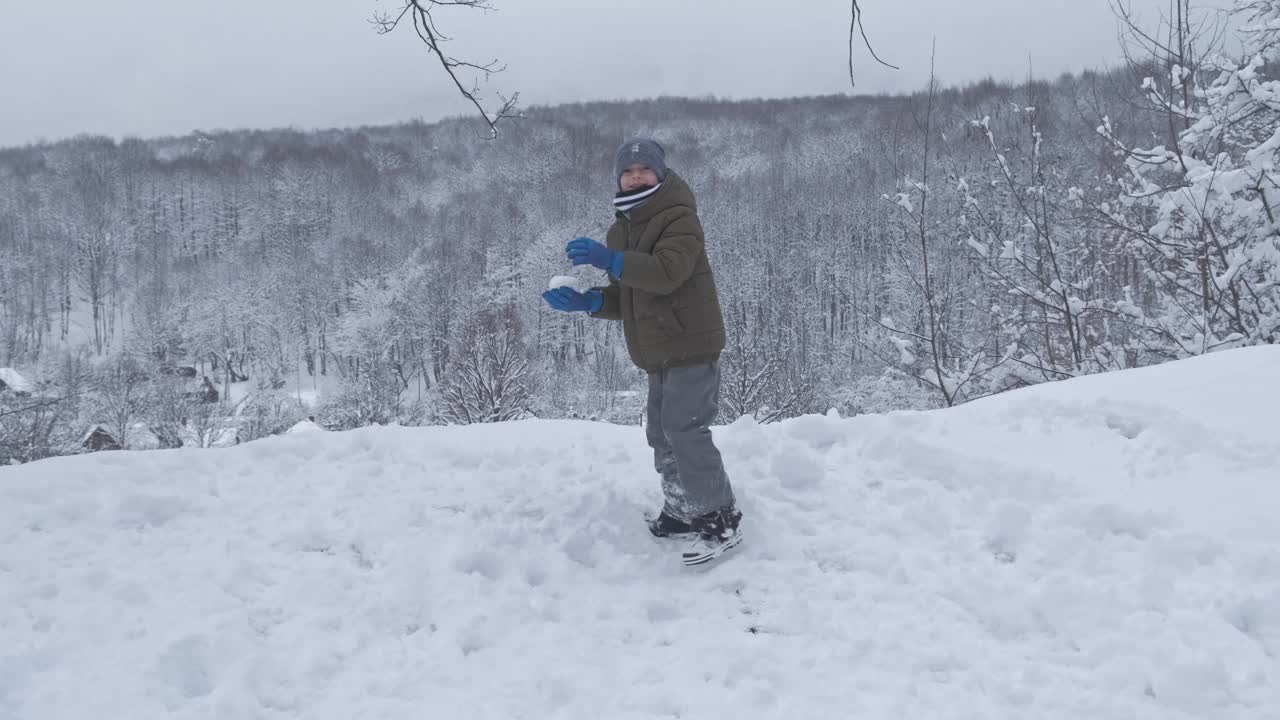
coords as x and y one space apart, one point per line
585 251
569 300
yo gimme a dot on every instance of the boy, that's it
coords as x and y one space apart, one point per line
662 289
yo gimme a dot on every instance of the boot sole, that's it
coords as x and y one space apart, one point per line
692 559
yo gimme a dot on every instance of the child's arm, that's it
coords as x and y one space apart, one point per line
671 262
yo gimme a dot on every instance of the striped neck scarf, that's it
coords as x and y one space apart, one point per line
628 201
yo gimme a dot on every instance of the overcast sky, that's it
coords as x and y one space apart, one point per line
158 67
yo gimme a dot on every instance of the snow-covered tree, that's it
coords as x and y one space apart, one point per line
1202 212
490 377
923 329
1050 315
121 398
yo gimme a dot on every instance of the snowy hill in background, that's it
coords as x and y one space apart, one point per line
1099 548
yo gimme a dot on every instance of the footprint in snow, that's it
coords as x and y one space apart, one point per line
535 576
184 667
485 563
662 612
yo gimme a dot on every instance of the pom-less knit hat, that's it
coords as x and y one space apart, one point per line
640 151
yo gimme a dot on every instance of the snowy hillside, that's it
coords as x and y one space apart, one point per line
1105 548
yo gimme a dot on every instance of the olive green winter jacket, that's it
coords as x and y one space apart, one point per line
666 297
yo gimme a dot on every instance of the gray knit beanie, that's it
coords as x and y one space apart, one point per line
640 151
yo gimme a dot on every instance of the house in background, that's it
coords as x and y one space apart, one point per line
11 381
99 438
308 425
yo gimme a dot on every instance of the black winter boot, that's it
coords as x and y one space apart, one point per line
667 526
721 524
717 533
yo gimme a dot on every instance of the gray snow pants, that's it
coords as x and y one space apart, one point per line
682 403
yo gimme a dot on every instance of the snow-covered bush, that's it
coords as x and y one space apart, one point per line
1202 213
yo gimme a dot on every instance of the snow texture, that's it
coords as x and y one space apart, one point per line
562 281
1100 548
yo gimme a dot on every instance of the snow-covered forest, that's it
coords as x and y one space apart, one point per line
871 253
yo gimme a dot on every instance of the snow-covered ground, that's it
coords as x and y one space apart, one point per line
1104 548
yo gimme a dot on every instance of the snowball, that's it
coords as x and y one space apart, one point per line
562 281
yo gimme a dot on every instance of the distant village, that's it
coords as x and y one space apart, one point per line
97 435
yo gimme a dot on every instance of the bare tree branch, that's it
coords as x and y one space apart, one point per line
427 30
855 23
47 403
425 26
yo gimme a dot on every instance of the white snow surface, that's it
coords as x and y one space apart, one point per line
1098 548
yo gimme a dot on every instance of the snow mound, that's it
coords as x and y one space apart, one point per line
1061 552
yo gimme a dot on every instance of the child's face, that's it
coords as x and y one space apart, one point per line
636 177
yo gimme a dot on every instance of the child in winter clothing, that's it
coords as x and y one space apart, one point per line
662 289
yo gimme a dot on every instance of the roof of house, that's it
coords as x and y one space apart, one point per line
15 381
93 429
305 426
